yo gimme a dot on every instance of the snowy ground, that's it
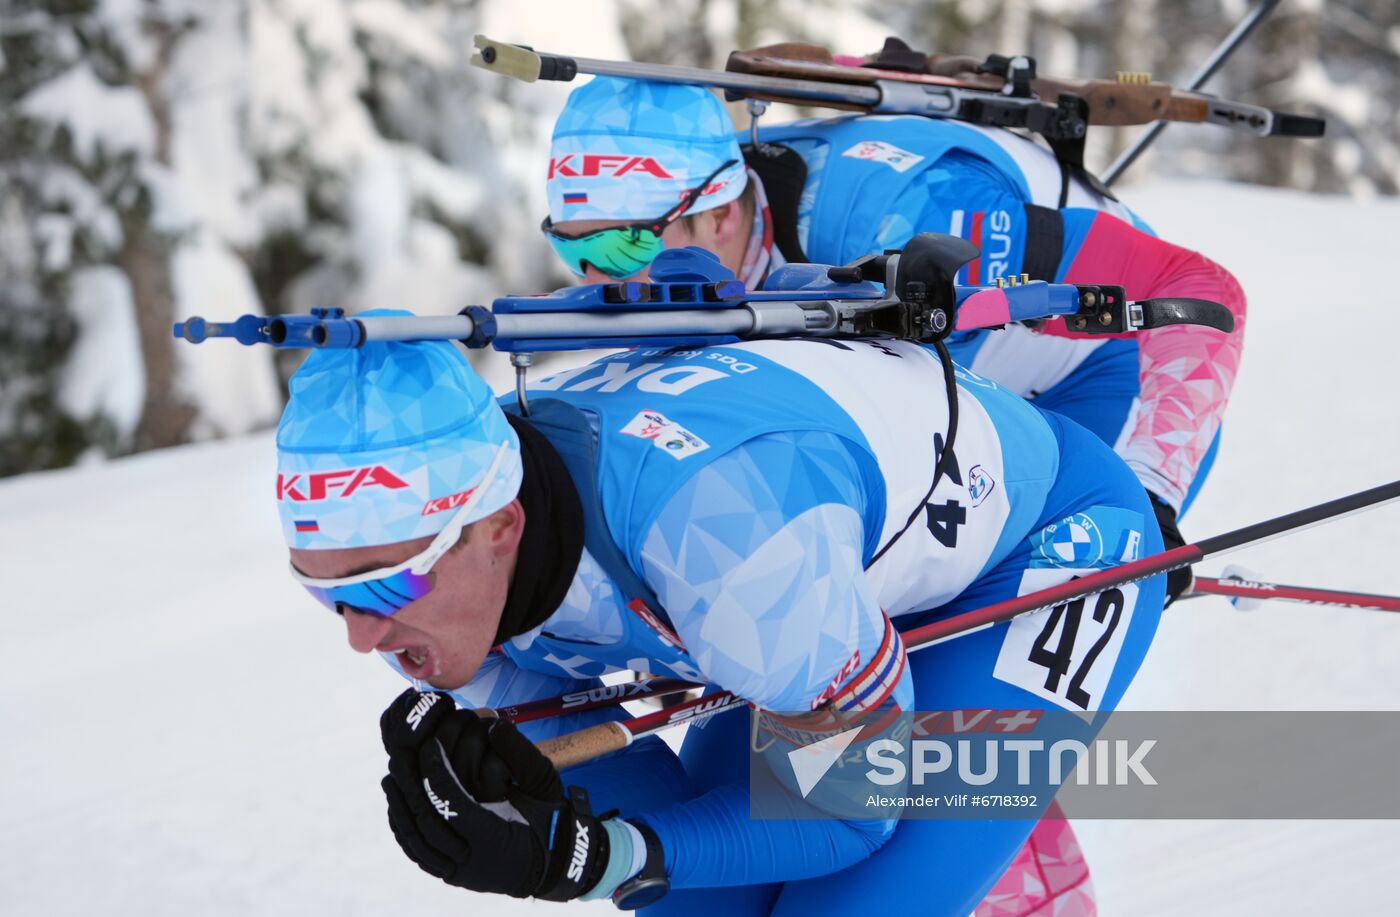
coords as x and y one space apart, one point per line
184 733
1315 414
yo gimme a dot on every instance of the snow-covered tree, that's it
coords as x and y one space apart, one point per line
163 158
125 133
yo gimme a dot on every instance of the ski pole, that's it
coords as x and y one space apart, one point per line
1218 57
1229 585
591 699
1252 589
586 744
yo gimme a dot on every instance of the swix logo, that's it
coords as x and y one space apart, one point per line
425 703
305 488
442 806
451 501
712 705
604 165
580 853
606 692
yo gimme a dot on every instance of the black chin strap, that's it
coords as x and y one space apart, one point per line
552 542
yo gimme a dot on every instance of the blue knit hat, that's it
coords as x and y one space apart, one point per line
630 150
379 444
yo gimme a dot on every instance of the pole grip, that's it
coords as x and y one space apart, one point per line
585 744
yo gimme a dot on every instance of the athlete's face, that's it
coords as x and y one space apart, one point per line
443 637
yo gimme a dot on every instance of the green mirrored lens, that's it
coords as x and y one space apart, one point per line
618 253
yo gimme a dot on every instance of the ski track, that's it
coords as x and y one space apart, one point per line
185 733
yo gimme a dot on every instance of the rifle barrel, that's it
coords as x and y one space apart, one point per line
740 83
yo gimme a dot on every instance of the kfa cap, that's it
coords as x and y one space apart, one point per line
631 149
380 444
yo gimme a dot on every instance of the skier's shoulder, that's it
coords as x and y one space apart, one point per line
915 128
903 144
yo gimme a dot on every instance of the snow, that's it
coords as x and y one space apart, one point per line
423 274
109 119
105 372
280 99
189 734
65 188
53 233
460 195
304 87
236 391
124 20
387 20
408 262
280 207
1315 415
209 80
379 209
568 28
196 739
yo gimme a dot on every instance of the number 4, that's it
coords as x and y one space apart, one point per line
943 521
944 518
1058 662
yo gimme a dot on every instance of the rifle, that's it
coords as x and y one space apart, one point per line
693 300
998 92
1130 98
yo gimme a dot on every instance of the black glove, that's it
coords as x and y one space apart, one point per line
474 802
1180 580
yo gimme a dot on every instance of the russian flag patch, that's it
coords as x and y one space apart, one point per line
306 525
575 197
972 232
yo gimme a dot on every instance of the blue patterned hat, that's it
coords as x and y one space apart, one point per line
631 149
381 443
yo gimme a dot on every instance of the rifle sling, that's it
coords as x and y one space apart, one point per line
783 173
1045 239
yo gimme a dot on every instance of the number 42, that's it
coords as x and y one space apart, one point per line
1067 618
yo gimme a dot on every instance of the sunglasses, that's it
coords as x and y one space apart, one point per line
621 251
388 590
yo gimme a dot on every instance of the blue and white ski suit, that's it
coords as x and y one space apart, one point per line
750 486
1158 397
